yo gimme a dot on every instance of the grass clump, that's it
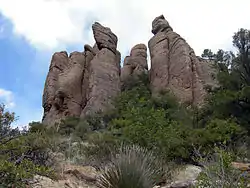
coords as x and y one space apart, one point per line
131 167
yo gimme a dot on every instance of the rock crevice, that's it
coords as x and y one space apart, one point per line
84 83
174 66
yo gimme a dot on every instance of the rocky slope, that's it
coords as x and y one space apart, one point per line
73 176
84 83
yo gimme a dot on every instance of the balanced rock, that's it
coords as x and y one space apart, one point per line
104 37
174 65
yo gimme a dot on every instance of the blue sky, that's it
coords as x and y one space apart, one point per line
32 30
18 74
23 72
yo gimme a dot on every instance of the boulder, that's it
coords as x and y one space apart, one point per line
72 177
68 96
184 177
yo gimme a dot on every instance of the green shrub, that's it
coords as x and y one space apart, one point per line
22 154
68 126
131 166
19 175
36 127
218 132
98 149
219 172
162 124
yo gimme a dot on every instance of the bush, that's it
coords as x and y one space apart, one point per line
157 123
97 151
131 166
225 132
19 175
22 154
35 127
150 122
165 126
22 157
68 126
219 172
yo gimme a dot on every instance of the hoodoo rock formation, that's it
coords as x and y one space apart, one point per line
84 83
104 72
174 65
136 63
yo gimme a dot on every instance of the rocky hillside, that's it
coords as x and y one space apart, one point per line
84 83
184 122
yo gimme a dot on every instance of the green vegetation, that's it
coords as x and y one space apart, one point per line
160 124
127 138
219 172
231 100
22 154
131 166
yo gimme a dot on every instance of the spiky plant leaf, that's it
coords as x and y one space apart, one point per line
131 167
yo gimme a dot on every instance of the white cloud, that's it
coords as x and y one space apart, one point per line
7 98
57 23
27 117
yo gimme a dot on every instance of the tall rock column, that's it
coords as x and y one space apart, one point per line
104 72
136 63
63 95
85 82
174 65
58 64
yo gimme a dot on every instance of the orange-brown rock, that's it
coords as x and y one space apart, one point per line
59 63
85 82
174 65
104 72
136 63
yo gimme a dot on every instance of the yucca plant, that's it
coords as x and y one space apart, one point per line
131 167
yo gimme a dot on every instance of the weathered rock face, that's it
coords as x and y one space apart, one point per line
85 82
174 65
136 63
104 77
104 37
58 65
66 95
206 71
